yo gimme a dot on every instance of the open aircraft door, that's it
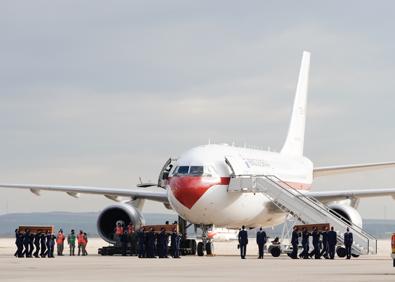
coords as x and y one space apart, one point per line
165 171
236 164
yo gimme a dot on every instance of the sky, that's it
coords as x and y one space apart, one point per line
101 93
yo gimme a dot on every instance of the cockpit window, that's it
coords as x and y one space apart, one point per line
196 170
182 170
207 171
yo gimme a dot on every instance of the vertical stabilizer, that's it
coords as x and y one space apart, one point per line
293 145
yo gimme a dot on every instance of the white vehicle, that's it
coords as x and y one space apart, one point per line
196 184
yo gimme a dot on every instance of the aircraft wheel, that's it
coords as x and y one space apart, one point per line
341 252
200 249
275 251
354 255
193 247
209 248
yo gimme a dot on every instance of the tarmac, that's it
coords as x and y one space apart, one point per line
225 266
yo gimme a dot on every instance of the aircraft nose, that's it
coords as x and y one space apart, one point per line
189 189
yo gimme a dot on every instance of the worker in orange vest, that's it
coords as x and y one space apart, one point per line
60 242
81 241
118 233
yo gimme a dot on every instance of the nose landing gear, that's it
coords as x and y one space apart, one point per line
206 246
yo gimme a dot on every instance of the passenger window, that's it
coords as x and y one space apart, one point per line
196 170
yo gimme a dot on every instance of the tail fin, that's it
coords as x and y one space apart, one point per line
293 145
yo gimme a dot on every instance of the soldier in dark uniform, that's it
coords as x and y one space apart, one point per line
18 243
348 240
325 247
37 244
243 241
295 242
141 242
161 243
43 243
31 244
261 239
124 242
151 243
48 240
305 244
26 243
316 243
175 244
332 241
51 245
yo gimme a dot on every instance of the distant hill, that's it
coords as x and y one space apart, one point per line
87 222
66 220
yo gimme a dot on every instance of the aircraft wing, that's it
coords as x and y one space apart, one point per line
159 195
330 196
342 169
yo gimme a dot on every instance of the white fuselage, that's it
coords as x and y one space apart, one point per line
197 186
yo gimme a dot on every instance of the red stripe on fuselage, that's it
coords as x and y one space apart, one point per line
189 189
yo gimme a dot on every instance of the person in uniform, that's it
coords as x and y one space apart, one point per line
141 242
348 240
316 243
151 243
43 239
161 241
84 244
80 241
175 244
118 232
261 239
60 242
243 242
51 245
295 243
325 246
37 244
26 243
31 244
71 242
132 238
305 244
124 242
18 243
332 241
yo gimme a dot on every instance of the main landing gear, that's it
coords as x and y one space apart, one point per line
206 246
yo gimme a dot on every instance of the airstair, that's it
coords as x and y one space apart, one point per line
305 209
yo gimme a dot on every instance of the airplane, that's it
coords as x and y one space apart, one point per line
195 184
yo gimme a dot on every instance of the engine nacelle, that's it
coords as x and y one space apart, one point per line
348 213
109 217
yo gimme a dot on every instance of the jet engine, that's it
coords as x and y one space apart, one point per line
124 213
348 213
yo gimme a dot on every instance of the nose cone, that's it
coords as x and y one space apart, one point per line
189 189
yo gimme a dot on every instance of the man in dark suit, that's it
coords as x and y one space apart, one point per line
295 242
261 239
348 240
332 241
243 241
